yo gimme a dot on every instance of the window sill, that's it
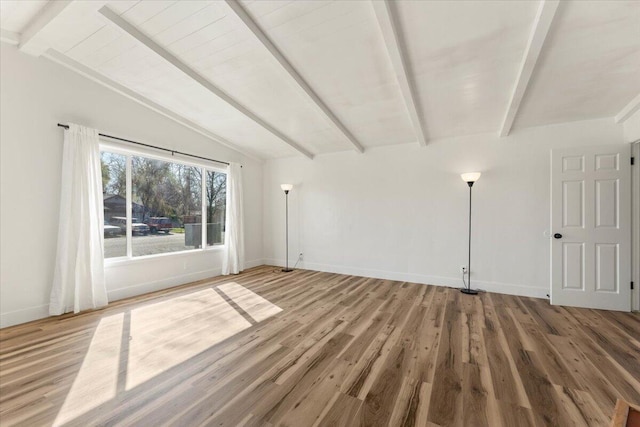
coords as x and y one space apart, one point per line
116 262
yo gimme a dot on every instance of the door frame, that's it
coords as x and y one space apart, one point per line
635 227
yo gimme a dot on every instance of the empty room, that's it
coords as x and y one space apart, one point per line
319 213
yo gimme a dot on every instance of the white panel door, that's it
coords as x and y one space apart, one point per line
591 227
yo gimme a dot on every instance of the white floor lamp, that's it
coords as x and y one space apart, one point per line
469 178
286 188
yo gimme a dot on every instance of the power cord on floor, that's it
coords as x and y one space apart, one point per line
296 264
279 270
464 282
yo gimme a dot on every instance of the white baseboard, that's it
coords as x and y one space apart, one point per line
24 315
501 288
254 263
34 313
158 285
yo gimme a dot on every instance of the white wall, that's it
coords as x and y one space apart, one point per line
401 212
396 212
35 95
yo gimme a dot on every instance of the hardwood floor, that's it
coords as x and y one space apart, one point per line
309 348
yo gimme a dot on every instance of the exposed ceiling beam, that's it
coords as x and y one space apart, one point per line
628 110
541 25
293 73
193 74
394 41
50 11
9 37
91 74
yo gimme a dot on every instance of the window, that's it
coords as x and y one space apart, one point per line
168 200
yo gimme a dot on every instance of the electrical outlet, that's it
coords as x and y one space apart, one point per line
300 257
463 269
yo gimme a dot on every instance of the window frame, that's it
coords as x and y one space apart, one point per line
128 152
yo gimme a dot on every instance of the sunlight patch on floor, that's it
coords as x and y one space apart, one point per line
132 348
166 334
97 379
253 304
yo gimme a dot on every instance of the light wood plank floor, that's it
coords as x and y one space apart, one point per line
309 348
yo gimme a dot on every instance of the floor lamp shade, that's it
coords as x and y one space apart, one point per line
286 188
469 178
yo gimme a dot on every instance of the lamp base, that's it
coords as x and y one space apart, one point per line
469 291
287 270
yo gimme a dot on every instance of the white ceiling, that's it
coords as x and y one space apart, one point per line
340 87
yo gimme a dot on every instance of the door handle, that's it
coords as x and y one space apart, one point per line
557 236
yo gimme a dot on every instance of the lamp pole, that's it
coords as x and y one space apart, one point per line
286 188
469 178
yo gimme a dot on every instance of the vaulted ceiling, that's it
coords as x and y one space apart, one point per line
281 78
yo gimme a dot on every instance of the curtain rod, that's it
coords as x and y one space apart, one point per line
153 146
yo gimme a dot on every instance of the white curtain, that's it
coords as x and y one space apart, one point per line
233 257
78 282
